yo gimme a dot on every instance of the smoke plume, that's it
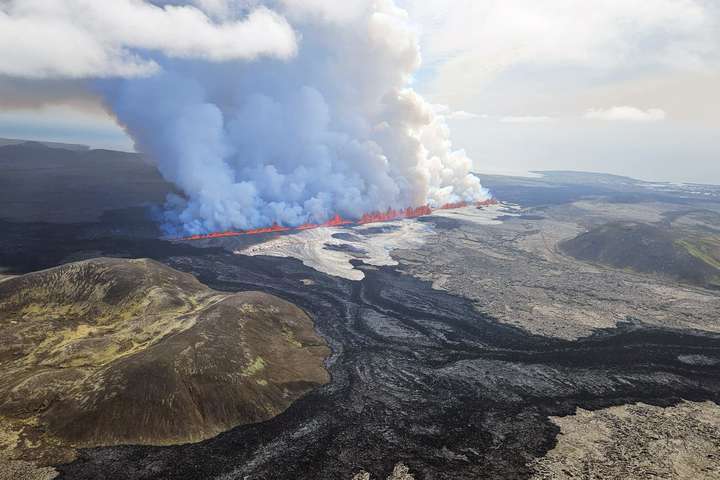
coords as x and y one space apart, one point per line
332 128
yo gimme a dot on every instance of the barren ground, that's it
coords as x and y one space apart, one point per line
515 272
636 442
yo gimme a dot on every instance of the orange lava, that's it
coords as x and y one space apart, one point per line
337 220
453 206
274 229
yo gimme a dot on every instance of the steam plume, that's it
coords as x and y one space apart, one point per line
333 129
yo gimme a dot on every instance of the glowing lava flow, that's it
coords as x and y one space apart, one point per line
391 215
453 206
337 220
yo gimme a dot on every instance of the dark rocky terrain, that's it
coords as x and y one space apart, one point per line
419 376
56 184
461 362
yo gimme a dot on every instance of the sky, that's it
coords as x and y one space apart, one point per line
629 87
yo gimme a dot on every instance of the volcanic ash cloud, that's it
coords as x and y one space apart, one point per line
284 138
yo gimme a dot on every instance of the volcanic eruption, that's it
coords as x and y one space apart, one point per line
294 137
337 221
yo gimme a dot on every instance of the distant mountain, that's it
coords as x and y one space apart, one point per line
580 177
63 146
113 351
555 187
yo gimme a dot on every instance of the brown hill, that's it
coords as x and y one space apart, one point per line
111 351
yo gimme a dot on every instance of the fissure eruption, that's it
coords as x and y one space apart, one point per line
294 134
338 221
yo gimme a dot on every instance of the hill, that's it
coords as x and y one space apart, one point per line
64 146
110 351
653 249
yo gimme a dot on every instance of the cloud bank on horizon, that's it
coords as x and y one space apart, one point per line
626 113
282 111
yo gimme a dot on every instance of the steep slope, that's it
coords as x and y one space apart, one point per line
110 351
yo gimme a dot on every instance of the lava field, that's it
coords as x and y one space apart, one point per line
419 376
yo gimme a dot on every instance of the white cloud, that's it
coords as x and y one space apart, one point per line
217 8
470 42
517 59
526 119
90 38
335 11
626 114
446 112
463 115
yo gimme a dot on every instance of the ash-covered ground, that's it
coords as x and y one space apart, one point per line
438 361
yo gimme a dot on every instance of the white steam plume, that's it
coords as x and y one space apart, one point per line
327 125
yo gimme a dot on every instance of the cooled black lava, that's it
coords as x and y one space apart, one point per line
419 376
